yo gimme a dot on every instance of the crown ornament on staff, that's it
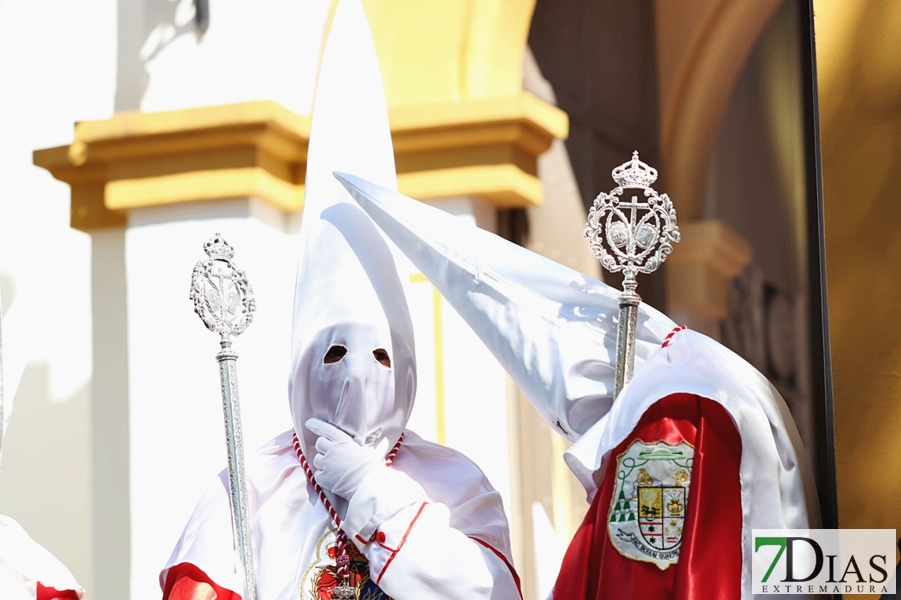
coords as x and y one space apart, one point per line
222 296
223 299
632 236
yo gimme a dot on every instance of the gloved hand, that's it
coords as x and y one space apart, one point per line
341 463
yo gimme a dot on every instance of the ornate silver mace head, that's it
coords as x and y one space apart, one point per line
223 298
634 237
639 234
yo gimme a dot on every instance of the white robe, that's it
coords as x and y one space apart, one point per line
24 563
438 528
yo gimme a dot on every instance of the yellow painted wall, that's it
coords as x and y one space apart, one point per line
859 65
449 50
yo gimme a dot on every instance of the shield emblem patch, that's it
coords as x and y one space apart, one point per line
647 514
661 511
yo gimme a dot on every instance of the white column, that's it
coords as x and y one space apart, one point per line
109 416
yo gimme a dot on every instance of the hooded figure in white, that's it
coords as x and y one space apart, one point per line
27 570
427 526
554 330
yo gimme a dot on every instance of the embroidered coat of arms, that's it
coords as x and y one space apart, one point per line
647 513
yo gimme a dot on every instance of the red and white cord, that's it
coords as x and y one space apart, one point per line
669 337
343 560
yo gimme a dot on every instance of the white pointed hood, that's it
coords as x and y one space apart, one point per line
552 328
348 291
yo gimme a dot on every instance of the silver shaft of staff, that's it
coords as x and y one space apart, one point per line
625 340
223 299
234 441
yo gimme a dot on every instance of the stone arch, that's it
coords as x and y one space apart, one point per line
698 65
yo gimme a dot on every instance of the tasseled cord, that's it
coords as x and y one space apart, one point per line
343 560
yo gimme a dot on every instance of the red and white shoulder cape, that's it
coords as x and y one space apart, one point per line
749 472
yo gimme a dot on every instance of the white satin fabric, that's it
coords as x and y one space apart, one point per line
554 331
24 563
552 328
431 510
348 289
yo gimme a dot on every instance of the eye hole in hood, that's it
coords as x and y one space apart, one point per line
334 354
381 355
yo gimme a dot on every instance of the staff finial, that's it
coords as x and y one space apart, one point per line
634 237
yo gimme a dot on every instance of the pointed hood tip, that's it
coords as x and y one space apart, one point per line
346 179
349 131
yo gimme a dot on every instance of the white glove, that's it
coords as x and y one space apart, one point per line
341 463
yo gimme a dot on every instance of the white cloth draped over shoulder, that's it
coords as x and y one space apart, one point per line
554 330
430 525
24 564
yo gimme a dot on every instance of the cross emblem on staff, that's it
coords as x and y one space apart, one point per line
642 236
637 244
222 296
631 244
228 297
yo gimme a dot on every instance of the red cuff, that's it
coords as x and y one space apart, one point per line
400 545
49 593
182 582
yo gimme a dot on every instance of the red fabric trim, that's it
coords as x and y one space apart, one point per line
182 582
49 593
389 548
377 537
506 562
402 540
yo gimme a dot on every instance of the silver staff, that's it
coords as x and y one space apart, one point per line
640 235
223 299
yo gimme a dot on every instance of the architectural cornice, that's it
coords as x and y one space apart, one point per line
486 148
